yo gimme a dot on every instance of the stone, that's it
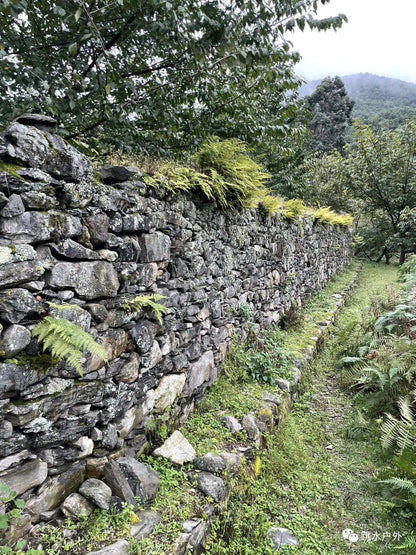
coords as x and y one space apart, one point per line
232 461
129 372
35 227
144 333
115 174
148 522
90 280
98 228
85 446
19 272
249 423
212 486
98 311
25 476
281 537
198 536
14 340
127 422
74 314
114 342
177 449
57 488
36 200
203 370
13 208
16 305
118 483
29 146
40 121
17 253
119 548
155 247
75 505
155 355
210 463
135 223
232 424
143 480
180 546
284 385
18 528
97 492
48 386
169 388
71 249
16 377
6 429
95 467
270 398
146 274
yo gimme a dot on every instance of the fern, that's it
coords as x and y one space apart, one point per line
400 432
67 341
147 301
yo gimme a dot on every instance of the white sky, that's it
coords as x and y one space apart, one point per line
380 38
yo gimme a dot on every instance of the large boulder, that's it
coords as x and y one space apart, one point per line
90 280
28 146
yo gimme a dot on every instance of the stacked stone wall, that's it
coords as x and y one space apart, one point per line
68 238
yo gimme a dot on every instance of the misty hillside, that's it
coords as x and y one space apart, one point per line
377 97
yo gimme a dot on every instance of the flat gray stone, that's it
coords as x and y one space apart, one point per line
34 227
143 480
148 522
57 488
90 280
13 208
176 449
213 486
97 492
169 388
14 340
119 548
210 463
118 483
203 370
155 247
25 476
281 537
26 145
16 305
232 424
75 505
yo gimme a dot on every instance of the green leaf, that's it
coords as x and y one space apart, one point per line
73 49
78 14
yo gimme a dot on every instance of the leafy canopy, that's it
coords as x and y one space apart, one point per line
331 109
154 74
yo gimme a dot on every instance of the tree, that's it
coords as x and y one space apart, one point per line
331 109
383 171
153 74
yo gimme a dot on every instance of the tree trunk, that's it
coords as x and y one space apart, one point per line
402 256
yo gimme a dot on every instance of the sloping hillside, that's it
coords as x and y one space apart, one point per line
377 97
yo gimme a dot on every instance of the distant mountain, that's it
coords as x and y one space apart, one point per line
376 98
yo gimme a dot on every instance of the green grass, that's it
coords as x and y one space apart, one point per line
316 479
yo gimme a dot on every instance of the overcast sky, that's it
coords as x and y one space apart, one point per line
380 38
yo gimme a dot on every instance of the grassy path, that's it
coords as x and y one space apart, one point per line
316 479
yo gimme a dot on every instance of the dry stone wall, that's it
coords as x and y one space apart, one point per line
69 239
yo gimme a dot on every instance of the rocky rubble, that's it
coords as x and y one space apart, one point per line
69 240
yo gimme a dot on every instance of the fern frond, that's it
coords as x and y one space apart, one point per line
147 301
406 486
67 341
